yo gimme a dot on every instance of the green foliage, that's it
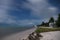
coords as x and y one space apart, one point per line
39 30
51 19
58 21
47 23
43 23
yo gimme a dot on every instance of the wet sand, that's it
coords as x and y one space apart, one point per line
20 35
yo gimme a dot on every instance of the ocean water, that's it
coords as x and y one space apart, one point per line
5 31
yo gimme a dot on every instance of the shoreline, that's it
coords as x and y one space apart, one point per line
6 31
19 36
55 35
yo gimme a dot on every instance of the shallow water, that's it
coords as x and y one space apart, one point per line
8 31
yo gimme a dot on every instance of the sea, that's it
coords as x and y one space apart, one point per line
5 31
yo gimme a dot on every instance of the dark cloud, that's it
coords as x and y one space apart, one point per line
55 3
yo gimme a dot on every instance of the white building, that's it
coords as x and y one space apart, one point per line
51 24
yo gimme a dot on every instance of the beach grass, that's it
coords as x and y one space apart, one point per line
40 30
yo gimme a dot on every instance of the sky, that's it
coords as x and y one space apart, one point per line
28 12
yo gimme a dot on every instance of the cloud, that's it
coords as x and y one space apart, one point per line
29 22
40 8
4 15
32 21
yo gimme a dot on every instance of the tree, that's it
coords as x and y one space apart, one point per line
51 19
43 24
58 21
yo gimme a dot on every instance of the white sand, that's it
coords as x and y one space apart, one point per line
51 35
20 35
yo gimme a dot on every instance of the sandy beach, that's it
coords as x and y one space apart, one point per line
20 35
51 35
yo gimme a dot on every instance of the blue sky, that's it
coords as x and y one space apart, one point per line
27 12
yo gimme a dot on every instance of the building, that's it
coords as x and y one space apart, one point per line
51 24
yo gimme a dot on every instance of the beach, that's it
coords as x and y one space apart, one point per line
20 35
51 35
55 35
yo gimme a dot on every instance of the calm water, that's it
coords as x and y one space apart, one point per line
12 30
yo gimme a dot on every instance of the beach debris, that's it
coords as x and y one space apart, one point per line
34 36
